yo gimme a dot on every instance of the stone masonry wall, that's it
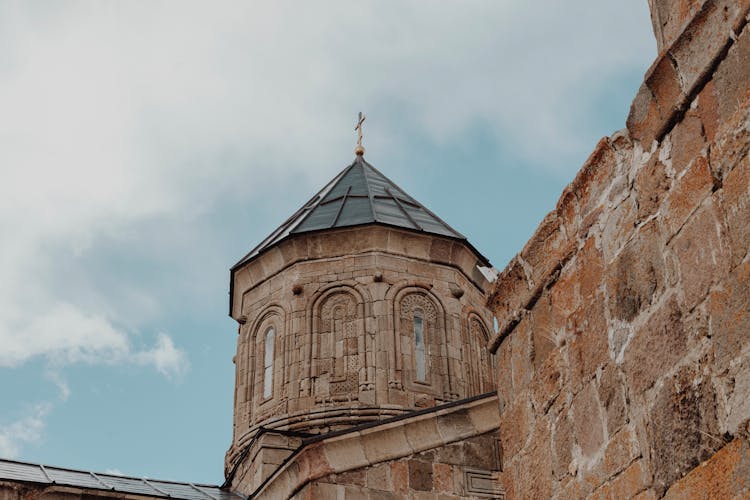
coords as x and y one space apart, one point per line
624 341
456 471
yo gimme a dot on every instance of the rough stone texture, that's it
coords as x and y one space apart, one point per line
682 428
640 280
725 475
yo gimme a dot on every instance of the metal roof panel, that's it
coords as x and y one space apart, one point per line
360 194
43 474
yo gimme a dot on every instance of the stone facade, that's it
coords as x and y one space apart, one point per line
623 349
342 306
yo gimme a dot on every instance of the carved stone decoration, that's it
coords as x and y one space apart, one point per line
481 371
337 357
419 305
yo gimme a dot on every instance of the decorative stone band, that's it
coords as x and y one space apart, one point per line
391 440
309 420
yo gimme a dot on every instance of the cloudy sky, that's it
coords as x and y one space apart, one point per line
146 146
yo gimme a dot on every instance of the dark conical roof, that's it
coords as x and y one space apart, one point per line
359 195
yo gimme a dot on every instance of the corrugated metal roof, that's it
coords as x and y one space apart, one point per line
44 474
360 194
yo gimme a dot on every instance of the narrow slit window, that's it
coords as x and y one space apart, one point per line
268 363
419 354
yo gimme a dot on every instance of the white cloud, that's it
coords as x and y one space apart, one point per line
168 360
56 377
27 430
118 113
64 336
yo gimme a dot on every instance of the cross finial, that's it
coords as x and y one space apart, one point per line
359 150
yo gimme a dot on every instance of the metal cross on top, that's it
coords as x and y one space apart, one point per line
359 150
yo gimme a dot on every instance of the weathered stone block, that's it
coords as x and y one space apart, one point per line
440 250
737 209
573 488
655 348
620 452
725 475
708 110
354 477
612 398
546 248
592 180
687 141
702 253
455 423
564 296
644 121
442 478
400 477
542 335
420 475
635 479
688 193
645 495
704 38
651 186
510 292
505 390
732 144
619 225
562 444
664 82
590 268
682 426
731 80
521 360
730 314
379 477
587 420
515 424
669 18
637 275
535 465
603 492
548 381
587 350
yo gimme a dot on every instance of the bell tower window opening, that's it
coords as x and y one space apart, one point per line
420 360
270 337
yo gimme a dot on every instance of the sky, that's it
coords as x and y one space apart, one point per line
145 147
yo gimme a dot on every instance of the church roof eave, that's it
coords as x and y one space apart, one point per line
359 195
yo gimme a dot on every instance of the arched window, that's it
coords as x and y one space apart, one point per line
419 349
421 341
268 363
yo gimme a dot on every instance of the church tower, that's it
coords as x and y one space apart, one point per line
363 305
